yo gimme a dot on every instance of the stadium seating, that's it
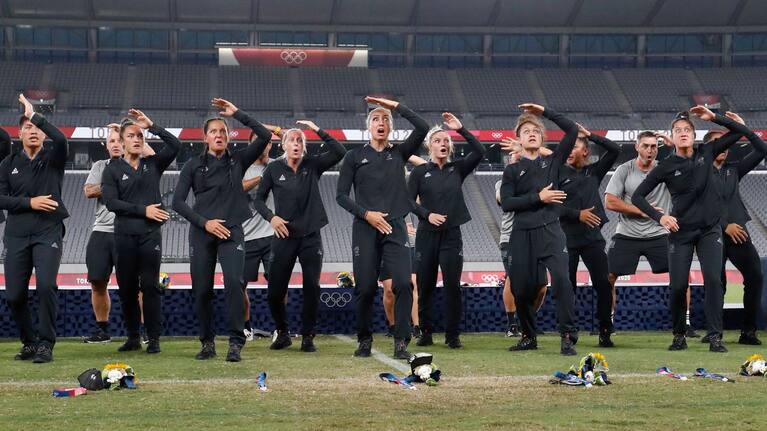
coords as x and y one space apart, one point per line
178 95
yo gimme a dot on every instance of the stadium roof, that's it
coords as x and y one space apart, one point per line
487 16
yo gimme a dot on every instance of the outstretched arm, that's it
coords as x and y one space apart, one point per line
335 151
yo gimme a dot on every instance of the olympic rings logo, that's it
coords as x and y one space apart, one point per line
497 135
490 278
293 57
336 299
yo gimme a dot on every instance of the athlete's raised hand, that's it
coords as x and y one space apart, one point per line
702 112
532 108
734 117
384 103
227 108
140 118
666 138
308 124
29 110
583 130
451 121
510 145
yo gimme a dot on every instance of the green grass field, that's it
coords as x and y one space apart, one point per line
484 387
734 294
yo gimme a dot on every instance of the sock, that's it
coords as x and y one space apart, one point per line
511 317
687 318
104 326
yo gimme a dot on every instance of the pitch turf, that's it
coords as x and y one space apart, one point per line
484 387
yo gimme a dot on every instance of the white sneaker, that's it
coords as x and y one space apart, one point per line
248 334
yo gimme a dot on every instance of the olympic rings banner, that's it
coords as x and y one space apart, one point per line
293 57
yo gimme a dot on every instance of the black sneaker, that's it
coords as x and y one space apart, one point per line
706 339
454 342
26 353
566 346
691 332
363 348
425 340
717 345
153 346
307 344
208 351
43 354
233 355
400 349
679 343
390 331
98 337
130 345
604 339
749 338
513 331
525 343
280 340
417 333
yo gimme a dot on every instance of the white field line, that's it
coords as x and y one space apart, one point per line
382 358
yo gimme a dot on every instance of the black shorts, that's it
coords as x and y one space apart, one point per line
257 251
624 252
385 274
543 278
100 255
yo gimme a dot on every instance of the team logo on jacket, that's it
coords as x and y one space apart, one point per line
54 245
157 247
144 168
363 161
543 164
125 177
428 174
240 248
452 168
282 178
14 171
522 173
566 181
677 173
